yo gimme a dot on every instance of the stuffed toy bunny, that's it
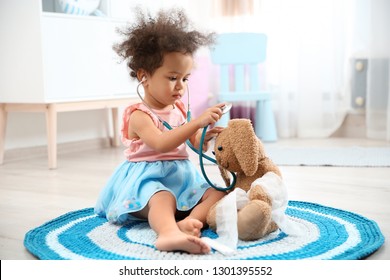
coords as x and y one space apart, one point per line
237 149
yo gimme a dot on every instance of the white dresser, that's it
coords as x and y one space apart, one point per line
54 62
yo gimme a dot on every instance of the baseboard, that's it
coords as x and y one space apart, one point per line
62 148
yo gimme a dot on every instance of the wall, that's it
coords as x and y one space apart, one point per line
29 129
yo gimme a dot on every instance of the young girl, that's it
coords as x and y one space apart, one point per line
157 182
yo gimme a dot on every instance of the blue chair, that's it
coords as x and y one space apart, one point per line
244 52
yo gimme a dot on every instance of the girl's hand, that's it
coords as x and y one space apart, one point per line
210 116
210 134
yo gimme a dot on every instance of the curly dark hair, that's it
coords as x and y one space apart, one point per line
149 39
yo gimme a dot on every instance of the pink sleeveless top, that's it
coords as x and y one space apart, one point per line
137 150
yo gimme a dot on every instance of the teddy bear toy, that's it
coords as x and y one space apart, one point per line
237 149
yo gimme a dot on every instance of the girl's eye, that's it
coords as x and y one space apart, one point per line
173 79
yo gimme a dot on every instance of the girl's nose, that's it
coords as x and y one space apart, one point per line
179 85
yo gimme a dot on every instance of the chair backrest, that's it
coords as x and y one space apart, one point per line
239 50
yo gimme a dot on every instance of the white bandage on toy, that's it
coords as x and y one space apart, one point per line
226 213
274 186
226 217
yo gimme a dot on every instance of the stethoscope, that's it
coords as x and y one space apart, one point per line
225 109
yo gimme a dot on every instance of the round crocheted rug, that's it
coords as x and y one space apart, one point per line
327 233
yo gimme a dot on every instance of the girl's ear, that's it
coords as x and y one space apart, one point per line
142 76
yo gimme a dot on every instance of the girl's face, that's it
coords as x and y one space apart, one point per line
169 81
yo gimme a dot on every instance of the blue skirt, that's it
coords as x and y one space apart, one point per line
133 184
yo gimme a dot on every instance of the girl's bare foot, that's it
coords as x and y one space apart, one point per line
190 226
179 241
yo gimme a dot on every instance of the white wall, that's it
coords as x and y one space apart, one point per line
29 129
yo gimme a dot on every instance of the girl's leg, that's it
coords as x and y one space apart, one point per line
160 212
190 224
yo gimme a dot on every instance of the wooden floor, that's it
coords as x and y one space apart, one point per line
31 194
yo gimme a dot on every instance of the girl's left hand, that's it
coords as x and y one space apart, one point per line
210 134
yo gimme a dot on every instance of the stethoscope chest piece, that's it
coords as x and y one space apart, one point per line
226 108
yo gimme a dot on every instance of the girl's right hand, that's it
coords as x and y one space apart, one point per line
210 116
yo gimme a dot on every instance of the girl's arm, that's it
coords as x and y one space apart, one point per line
143 127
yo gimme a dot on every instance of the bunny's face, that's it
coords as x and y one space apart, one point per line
224 153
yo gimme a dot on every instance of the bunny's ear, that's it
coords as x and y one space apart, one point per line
245 144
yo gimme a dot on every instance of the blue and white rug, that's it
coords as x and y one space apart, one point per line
327 233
